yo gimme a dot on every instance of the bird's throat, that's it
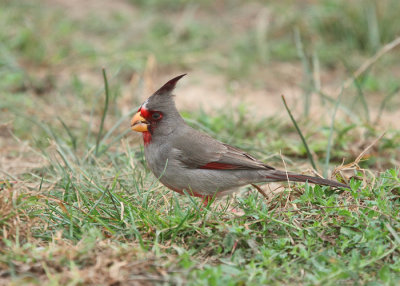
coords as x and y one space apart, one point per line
146 138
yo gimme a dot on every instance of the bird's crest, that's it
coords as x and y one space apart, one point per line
169 86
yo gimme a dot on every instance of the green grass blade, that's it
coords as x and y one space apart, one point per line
69 132
362 98
308 79
119 122
328 149
107 92
301 134
386 99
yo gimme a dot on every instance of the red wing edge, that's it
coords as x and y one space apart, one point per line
220 166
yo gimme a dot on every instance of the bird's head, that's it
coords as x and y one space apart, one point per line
158 114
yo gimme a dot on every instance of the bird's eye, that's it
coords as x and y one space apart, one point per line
156 116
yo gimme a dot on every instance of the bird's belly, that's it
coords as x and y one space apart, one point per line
207 182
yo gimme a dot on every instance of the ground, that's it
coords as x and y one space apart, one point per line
78 205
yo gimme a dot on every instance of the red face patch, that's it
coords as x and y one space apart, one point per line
151 115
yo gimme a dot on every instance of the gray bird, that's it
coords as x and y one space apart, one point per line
185 159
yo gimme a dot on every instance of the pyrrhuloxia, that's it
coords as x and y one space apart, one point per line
184 159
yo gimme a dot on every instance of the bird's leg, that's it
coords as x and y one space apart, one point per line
261 191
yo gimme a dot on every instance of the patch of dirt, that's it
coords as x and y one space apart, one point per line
104 262
16 157
79 10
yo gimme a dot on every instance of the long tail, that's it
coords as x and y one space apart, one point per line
277 175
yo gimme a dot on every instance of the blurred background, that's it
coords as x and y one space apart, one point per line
240 56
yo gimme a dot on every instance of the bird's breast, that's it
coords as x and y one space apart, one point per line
156 157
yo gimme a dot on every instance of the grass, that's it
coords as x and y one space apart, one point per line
78 206
301 235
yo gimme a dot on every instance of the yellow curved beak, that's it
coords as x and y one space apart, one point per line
138 123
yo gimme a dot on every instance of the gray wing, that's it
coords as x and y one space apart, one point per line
198 150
